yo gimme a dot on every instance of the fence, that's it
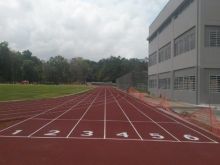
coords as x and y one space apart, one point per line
138 80
204 117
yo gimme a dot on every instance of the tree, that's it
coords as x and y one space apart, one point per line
17 66
5 64
27 54
79 69
57 70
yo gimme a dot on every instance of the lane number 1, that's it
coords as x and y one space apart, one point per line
17 132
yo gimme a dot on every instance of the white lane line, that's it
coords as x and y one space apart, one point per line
172 118
14 118
177 122
20 107
109 139
22 112
82 116
127 117
105 117
120 121
137 109
189 127
76 98
58 116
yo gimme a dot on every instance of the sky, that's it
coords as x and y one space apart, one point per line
92 29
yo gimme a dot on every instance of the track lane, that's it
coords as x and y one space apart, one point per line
14 127
125 134
77 126
183 132
82 149
53 123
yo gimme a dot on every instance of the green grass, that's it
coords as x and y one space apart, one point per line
34 92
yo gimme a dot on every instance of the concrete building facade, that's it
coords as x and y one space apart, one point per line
184 52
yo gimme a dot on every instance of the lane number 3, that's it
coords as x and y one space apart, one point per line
87 133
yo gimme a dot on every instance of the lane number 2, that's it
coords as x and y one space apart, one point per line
157 136
52 133
123 134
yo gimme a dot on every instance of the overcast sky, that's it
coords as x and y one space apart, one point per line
92 29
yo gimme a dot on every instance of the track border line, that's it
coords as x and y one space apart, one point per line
113 139
105 116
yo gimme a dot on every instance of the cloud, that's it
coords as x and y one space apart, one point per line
93 29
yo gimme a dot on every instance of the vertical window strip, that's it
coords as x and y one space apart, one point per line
153 83
153 59
185 83
165 53
185 42
164 83
212 36
214 84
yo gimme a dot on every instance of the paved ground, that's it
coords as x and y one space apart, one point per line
104 127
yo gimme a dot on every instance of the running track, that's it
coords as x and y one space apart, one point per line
105 127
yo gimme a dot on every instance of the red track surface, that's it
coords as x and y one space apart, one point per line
102 127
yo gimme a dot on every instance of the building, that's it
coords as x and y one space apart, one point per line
184 52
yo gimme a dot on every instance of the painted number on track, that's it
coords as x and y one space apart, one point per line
52 133
190 137
123 134
17 132
87 133
157 136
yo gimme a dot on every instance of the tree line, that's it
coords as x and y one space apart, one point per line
17 66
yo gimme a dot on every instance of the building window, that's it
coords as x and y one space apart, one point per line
164 83
165 53
212 36
153 59
185 42
214 84
153 83
185 83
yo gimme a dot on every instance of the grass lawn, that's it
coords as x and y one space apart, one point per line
33 92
